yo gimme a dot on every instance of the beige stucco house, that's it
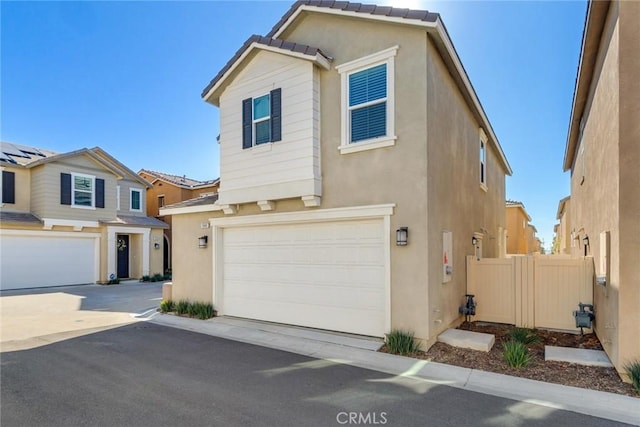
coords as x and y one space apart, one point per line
73 218
603 155
167 189
354 176
518 232
562 240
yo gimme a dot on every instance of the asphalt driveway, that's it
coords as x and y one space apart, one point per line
150 375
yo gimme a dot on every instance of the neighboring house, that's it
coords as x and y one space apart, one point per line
354 177
167 189
603 155
562 239
534 244
519 234
73 218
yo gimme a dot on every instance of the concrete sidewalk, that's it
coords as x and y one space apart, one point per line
361 352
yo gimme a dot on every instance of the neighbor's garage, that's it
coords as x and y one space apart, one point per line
327 275
46 259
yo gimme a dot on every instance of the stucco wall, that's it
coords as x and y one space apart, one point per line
155 255
629 207
455 198
594 182
516 227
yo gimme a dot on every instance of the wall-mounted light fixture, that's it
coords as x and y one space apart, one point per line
402 236
474 241
156 246
202 241
585 240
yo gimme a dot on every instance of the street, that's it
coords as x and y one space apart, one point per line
140 374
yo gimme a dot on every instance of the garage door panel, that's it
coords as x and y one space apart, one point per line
37 261
328 275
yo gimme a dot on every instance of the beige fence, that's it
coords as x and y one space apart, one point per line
539 291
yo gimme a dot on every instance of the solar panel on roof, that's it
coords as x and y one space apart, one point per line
12 150
29 150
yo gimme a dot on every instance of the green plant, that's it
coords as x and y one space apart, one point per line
524 336
167 306
167 274
402 342
204 311
145 278
157 277
114 281
182 307
516 354
633 370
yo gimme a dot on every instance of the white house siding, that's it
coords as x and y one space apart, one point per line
283 169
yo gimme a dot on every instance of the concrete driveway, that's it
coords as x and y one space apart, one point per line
31 318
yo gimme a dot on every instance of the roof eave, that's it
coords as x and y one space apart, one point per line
593 27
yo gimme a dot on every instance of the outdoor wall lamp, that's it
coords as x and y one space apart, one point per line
585 240
202 241
402 235
156 246
474 241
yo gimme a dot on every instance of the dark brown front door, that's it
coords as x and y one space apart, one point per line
122 247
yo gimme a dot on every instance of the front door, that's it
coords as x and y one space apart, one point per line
122 247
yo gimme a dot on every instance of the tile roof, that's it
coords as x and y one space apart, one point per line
394 12
198 201
266 41
514 203
181 181
138 221
19 217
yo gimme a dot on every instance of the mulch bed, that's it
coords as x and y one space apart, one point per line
589 377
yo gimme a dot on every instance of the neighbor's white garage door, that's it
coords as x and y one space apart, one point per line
328 275
29 261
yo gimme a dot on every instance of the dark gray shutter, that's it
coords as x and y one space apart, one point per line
8 187
247 123
276 115
65 189
99 193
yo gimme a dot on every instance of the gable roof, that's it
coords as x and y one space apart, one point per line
430 21
562 205
517 204
180 181
593 28
297 50
98 155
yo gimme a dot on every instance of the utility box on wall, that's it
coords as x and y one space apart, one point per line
447 256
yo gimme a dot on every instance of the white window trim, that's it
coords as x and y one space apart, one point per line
73 191
254 122
131 190
482 151
383 57
163 201
118 198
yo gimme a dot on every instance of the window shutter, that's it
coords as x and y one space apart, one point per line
65 189
276 115
99 193
247 123
8 187
364 87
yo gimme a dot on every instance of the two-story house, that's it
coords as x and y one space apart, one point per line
518 232
603 155
73 218
563 241
167 189
358 169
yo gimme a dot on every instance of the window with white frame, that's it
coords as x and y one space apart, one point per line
136 200
368 102
483 160
262 119
83 190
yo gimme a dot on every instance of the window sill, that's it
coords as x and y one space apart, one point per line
372 144
261 148
93 208
484 187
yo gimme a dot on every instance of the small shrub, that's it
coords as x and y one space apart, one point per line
115 281
524 336
182 307
145 278
516 354
402 342
167 274
167 306
633 370
157 277
204 311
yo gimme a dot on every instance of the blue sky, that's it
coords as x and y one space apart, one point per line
127 76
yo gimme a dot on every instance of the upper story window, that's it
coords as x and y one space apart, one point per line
8 187
161 201
368 102
81 191
136 200
262 119
483 160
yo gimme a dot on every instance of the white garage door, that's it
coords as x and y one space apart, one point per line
328 275
29 261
